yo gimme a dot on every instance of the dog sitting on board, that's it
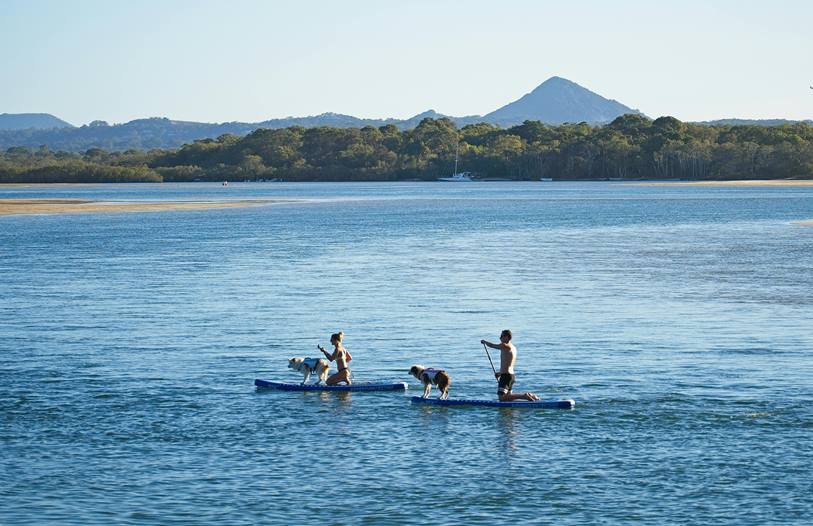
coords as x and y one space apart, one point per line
429 377
310 366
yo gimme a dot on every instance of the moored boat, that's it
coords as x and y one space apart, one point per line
462 177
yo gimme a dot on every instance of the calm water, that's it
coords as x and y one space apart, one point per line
679 319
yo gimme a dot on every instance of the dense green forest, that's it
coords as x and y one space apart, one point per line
630 147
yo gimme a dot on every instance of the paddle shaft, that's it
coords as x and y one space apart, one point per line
489 360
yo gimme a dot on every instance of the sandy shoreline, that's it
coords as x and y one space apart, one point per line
76 206
757 182
43 185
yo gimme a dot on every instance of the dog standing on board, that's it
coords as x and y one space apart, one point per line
429 377
310 366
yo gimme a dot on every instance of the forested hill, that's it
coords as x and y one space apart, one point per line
157 132
631 147
141 134
31 121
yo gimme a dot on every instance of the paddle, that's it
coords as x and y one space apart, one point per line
489 361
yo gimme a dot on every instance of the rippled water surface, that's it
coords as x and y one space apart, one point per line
679 319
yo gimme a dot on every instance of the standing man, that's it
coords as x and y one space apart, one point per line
508 357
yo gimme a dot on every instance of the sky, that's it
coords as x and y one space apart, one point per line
253 60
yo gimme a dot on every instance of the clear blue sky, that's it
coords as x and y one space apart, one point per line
252 60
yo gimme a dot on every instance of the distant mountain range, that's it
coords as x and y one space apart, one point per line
555 101
36 121
753 122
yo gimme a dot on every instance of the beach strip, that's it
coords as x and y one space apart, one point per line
755 182
79 206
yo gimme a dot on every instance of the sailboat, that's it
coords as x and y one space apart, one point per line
462 177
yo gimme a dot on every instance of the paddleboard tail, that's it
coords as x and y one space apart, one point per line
545 404
356 386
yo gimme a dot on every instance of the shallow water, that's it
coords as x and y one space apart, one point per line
678 318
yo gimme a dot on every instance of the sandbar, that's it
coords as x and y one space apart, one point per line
78 206
756 182
42 185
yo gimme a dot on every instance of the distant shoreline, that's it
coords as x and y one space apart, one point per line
745 182
654 182
79 206
45 185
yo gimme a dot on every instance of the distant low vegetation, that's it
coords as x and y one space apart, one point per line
630 147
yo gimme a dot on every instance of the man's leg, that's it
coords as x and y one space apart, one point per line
510 397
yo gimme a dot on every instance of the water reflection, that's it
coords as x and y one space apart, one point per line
434 419
508 428
343 397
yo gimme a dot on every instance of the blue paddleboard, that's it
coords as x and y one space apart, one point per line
546 404
356 386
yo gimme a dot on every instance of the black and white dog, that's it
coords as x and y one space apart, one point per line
429 377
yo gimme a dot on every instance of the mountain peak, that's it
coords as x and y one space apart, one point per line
37 121
432 114
559 100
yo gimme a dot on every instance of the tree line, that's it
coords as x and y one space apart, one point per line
630 147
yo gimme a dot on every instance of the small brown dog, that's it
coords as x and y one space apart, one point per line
429 376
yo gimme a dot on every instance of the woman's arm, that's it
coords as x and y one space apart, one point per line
327 354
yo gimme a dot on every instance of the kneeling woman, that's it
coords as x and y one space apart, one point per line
341 357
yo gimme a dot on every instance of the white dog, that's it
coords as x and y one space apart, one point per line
308 366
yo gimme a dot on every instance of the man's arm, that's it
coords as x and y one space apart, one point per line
499 346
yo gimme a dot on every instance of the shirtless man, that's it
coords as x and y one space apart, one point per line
508 357
341 357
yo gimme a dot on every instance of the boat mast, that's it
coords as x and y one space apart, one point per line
456 148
